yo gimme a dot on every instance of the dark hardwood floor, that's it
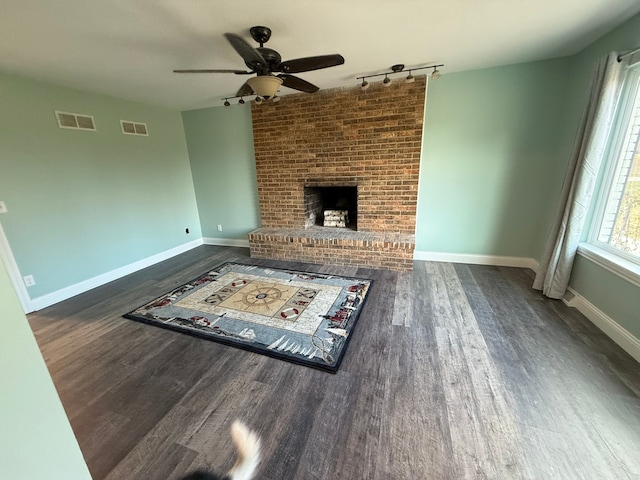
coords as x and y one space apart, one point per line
454 372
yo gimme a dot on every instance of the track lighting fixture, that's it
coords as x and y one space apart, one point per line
399 68
259 99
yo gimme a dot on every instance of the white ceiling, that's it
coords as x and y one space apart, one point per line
128 48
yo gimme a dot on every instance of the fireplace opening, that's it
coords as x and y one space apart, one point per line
335 206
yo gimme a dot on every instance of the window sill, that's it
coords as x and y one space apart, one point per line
623 268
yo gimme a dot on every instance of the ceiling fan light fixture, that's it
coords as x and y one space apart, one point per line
386 82
275 99
265 86
266 63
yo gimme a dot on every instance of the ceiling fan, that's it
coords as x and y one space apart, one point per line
265 62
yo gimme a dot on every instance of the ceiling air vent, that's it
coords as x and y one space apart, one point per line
75 121
134 128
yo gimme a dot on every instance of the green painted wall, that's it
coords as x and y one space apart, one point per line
494 145
624 38
614 296
495 148
220 143
36 440
84 203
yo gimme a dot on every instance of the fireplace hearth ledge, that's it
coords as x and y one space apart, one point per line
334 246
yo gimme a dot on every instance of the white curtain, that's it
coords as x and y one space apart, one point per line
580 178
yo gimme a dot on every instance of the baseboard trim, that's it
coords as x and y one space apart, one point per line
608 325
226 242
495 260
49 299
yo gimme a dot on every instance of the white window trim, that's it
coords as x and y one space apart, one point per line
618 262
621 267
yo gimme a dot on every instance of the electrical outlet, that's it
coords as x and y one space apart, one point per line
219 227
3 207
29 280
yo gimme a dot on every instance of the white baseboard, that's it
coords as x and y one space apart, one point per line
72 290
226 242
613 330
496 260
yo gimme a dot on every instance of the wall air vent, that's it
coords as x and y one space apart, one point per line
134 128
75 121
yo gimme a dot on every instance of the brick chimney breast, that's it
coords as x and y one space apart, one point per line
342 136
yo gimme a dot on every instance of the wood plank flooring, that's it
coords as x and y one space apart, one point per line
454 372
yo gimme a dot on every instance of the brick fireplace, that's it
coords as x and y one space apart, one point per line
347 142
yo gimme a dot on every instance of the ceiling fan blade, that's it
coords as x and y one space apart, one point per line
245 90
249 54
237 72
298 83
307 64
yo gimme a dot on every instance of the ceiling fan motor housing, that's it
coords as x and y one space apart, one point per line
272 58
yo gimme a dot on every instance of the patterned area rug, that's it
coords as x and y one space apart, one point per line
305 318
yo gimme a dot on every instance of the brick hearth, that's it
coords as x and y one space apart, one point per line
340 137
393 251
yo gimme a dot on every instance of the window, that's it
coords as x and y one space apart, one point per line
616 221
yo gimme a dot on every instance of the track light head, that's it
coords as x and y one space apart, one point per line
436 73
364 85
259 99
410 78
226 102
241 101
386 82
275 99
